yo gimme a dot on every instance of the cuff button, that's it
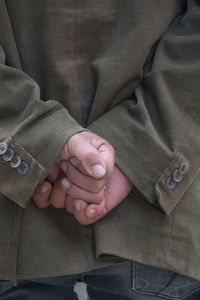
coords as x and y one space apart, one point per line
3 148
23 168
171 184
15 162
177 176
184 167
8 155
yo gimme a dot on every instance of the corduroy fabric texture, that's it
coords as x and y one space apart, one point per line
128 71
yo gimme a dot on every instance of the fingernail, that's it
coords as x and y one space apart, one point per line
77 206
65 183
90 213
43 189
64 166
98 171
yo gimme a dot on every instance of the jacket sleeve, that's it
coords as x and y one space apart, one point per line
32 133
156 132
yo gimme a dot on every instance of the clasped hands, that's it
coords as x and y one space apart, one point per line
84 179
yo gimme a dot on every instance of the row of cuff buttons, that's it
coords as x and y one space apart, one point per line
177 175
14 160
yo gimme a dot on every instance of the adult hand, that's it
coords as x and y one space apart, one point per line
118 187
93 157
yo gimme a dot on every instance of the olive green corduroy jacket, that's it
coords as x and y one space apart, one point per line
129 71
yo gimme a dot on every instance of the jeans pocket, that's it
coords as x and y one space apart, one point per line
149 280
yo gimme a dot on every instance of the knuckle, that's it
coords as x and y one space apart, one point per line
90 155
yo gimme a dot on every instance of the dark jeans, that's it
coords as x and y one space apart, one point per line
126 281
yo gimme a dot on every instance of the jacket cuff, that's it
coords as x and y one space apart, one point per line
181 171
31 154
20 172
160 175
